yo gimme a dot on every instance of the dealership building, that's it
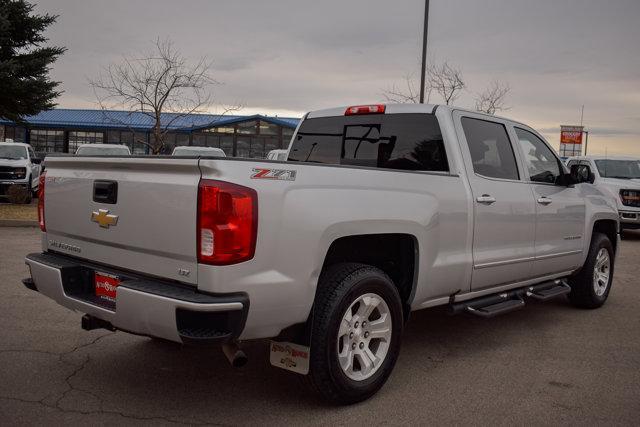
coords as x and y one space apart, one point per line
63 130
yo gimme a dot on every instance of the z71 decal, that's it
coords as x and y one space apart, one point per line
281 174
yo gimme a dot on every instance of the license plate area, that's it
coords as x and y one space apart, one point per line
106 286
88 284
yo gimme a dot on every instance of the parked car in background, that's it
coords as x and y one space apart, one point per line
277 155
618 176
19 166
103 150
379 210
198 151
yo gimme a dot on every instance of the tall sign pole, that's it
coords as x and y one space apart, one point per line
424 50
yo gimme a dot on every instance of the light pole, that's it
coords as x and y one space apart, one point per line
586 141
424 50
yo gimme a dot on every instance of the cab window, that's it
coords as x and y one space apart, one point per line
490 148
543 165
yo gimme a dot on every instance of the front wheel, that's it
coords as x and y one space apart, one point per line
355 333
591 286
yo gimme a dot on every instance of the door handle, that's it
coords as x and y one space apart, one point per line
544 200
486 199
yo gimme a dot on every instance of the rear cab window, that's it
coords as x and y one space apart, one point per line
405 141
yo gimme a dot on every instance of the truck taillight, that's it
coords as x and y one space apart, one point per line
227 222
41 181
365 109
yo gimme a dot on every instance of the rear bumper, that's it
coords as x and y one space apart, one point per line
144 306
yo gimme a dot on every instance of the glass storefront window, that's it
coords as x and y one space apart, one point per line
243 147
270 144
222 129
257 148
198 140
169 143
113 137
267 128
213 141
182 139
139 143
12 133
248 127
226 143
47 140
77 138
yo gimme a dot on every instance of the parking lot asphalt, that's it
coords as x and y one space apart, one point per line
546 364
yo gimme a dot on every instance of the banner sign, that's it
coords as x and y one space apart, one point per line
570 140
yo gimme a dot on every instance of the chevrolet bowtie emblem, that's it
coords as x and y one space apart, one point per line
104 218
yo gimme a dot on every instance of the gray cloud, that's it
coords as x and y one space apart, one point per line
301 55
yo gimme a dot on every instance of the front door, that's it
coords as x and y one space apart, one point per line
560 210
504 208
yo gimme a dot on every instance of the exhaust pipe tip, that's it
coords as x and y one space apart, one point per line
234 354
89 323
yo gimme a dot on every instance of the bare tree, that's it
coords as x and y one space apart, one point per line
444 79
160 81
406 93
493 98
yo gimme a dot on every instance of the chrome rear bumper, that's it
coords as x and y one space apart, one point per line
144 306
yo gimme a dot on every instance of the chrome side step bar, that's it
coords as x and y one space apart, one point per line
505 302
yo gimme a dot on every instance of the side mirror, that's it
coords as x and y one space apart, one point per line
582 173
36 160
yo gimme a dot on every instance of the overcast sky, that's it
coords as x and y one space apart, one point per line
288 57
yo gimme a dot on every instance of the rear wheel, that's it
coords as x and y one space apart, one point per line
355 333
590 288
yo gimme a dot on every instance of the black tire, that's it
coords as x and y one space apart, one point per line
339 287
583 291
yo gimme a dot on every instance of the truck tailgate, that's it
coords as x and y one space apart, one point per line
151 227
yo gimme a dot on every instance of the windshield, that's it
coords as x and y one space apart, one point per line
197 152
13 152
103 151
622 169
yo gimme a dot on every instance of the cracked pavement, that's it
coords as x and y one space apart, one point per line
546 364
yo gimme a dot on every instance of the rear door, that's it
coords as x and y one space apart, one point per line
147 224
504 210
560 210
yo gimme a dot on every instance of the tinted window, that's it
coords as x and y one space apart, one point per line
543 165
395 141
491 151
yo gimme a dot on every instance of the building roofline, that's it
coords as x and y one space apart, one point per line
73 121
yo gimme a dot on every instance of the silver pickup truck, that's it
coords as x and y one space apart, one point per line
379 210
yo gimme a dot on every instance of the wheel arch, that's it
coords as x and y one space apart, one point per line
608 227
397 254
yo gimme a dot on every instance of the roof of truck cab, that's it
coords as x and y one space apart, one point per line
399 108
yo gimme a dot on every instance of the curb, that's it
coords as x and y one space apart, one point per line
18 223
